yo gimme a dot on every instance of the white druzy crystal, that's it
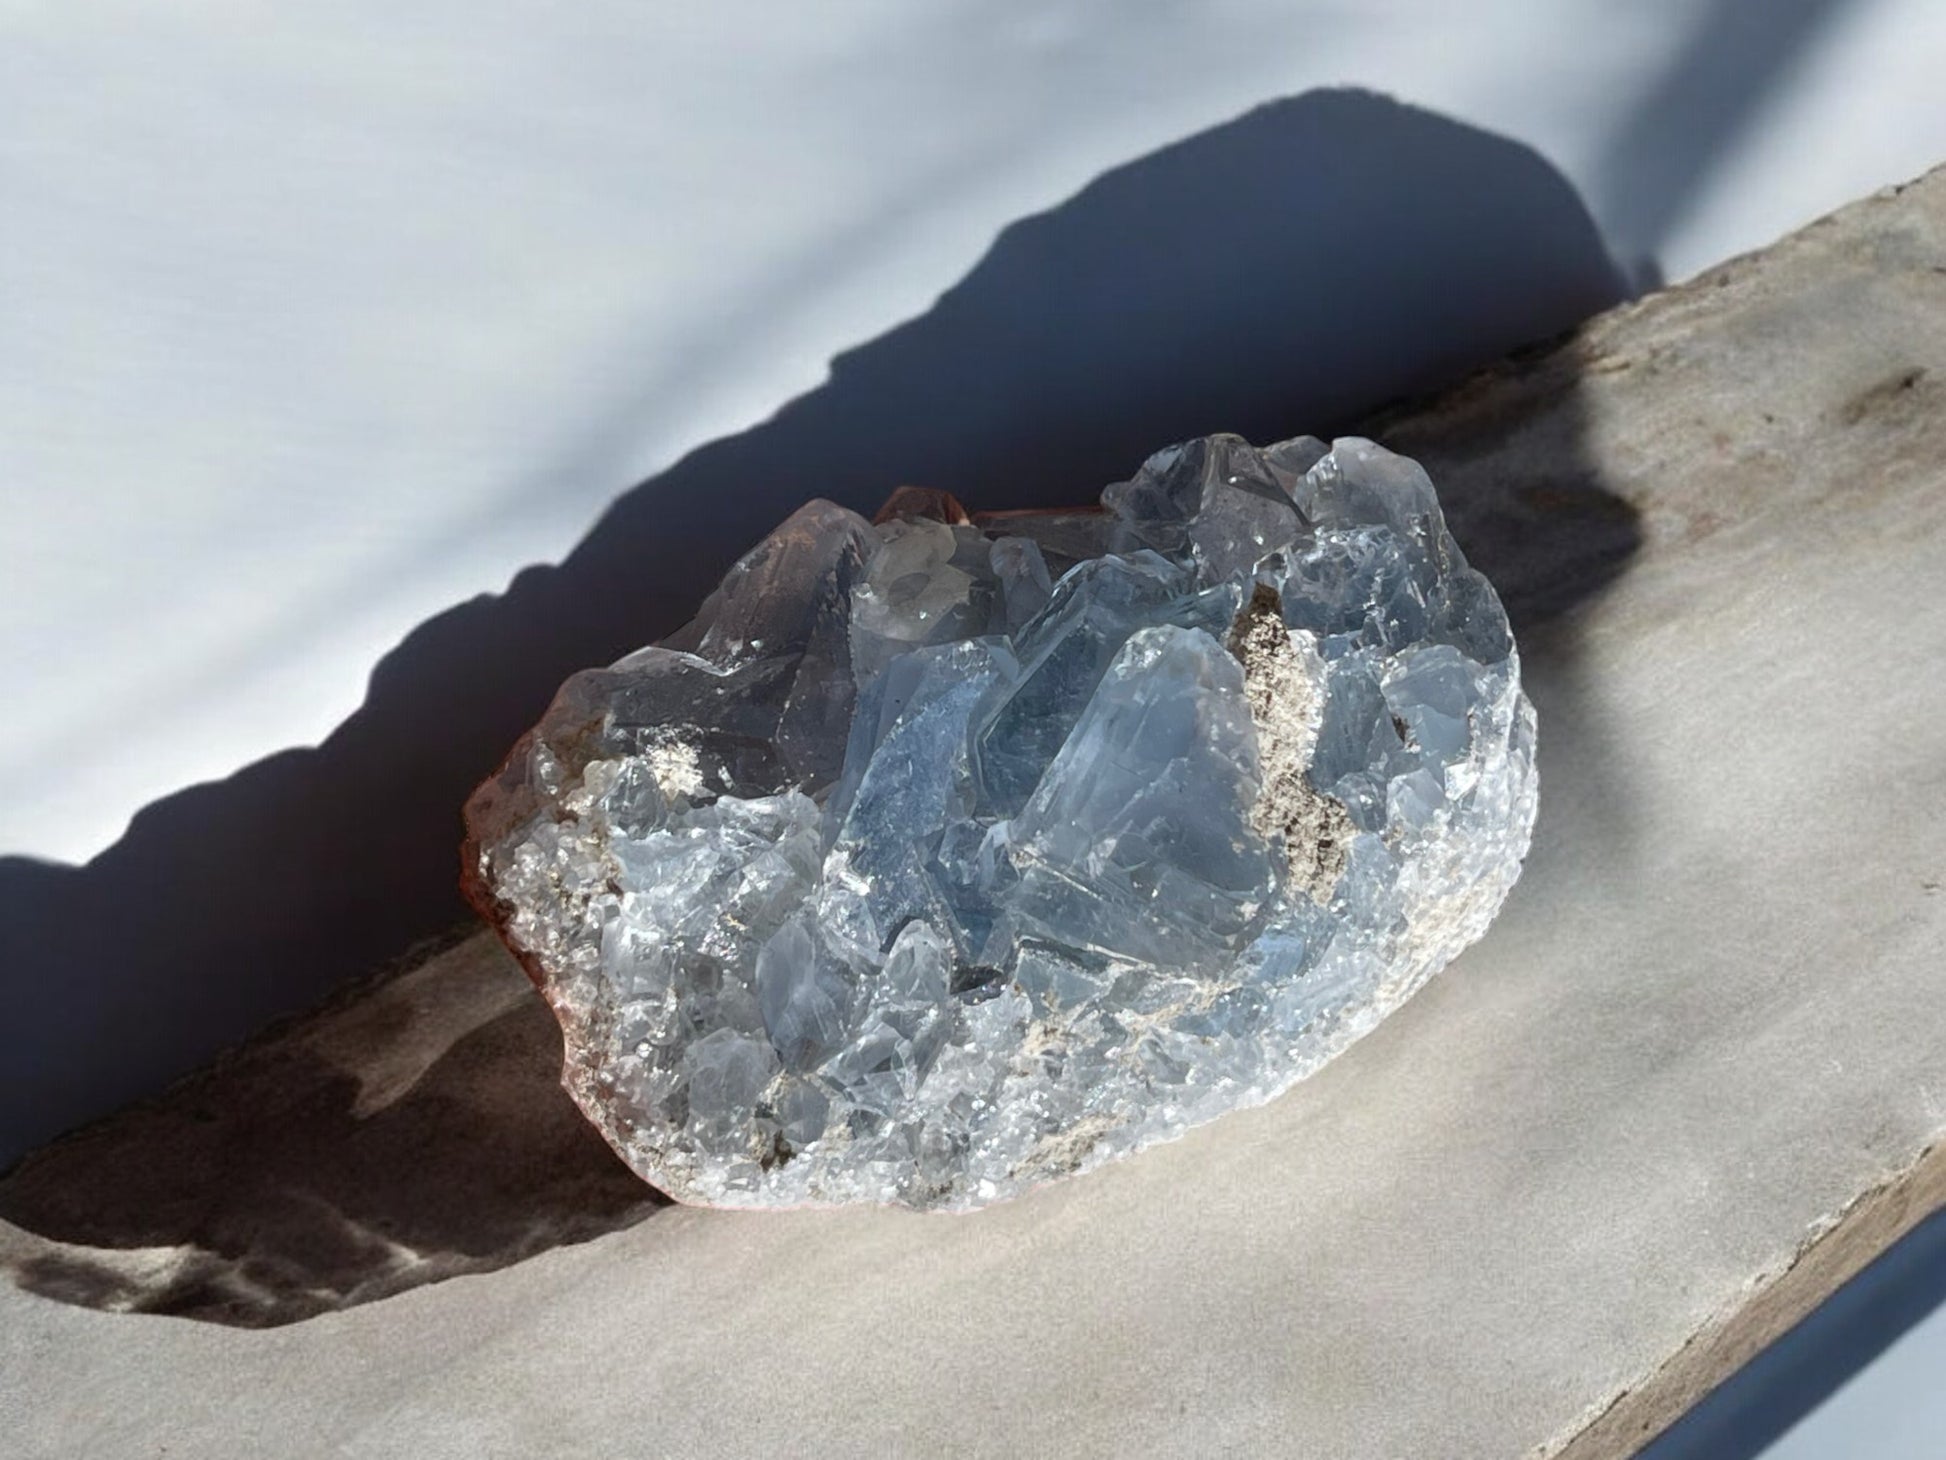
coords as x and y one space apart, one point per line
933 860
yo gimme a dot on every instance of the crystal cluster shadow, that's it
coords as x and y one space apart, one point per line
1291 271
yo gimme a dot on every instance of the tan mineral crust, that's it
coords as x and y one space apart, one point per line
1686 1085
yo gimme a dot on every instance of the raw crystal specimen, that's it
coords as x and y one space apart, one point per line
938 858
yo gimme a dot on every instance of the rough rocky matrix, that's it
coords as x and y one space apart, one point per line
937 858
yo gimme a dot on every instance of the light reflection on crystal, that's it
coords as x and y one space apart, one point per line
937 859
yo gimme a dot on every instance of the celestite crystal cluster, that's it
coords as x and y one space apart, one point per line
939 858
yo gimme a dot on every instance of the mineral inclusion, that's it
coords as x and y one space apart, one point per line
936 859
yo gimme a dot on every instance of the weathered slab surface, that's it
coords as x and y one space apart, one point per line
1687 1083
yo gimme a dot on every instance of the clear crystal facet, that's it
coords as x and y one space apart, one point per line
936 859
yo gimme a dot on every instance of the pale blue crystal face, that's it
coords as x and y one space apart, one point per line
935 860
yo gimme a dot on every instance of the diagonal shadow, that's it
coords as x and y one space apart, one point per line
1289 271
1682 127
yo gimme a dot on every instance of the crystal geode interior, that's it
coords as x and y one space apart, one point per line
937 858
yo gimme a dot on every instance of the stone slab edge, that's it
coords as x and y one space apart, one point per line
1772 1305
1775 1301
